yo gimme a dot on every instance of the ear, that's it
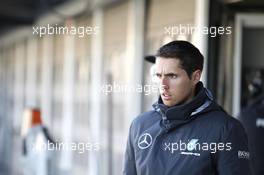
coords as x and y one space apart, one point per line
196 76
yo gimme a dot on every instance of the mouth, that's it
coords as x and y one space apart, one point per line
166 96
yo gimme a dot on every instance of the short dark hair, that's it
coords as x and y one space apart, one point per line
190 57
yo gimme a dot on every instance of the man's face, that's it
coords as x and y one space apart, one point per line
175 86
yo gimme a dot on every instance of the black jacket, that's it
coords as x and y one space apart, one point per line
197 138
252 118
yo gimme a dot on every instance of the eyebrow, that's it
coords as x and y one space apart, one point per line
168 74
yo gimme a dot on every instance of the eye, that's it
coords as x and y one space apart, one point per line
172 76
158 75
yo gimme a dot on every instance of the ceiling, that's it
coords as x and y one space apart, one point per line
14 13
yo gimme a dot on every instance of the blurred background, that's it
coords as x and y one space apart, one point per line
64 75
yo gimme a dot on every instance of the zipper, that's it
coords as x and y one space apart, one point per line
165 120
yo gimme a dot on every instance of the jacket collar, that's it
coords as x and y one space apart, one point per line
183 112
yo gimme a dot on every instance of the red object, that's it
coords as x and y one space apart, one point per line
36 117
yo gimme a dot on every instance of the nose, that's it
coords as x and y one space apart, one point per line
164 83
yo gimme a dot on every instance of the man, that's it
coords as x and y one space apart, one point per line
252 118
35 136
187 133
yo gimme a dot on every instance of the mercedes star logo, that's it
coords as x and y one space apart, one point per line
144 141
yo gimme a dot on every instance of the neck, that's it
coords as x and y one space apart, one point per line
189 97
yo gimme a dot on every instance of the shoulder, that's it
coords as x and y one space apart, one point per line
146 118
144 121
221 121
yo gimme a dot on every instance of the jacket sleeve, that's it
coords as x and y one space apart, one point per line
129 165
235 159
